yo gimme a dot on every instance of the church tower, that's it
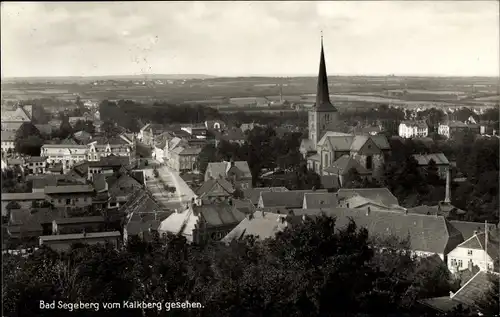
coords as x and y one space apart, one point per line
323 115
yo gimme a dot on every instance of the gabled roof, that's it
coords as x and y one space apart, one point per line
253 194
124 185
78 220
344 164
289 199
207 186
478 242
99 182
68 189
426 233
261 224
468 229
415 124
321 200
382 195
81 236
218 169
438 158
474 289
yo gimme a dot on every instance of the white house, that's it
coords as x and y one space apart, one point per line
67 154
8 138
411 129
475 252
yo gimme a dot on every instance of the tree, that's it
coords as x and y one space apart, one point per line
432 173
86 126
28 140
353 179
490 304
65 129
207 155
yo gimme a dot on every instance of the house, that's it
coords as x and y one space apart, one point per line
341 167
482 250
8 141
197 131
215 125
142 205
140 227
78 224
120 188
324 146
236 172
292 199
215 189
147 133
467 296
19 115
183 157
11 126
66 154
22 221
381 195
36 164
102 147
63 242
412 129
106 166
262 225
70 196
440 159
25 200
201 224
253 194
234 135
451 128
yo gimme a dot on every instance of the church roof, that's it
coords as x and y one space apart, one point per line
323 103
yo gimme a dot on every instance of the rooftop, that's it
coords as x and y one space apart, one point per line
80 236
76 220
68 189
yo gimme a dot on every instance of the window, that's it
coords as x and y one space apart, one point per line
68 201
469 252
369 162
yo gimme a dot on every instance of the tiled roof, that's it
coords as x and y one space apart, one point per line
123 186
76 220
321 200
354 142
217 169
110 161
22 196
438 158
474 290
99 182
253 194
209 185
35 159
37 215
64 189
137 227
469 228
290 199
80 236
11 126
140 201
261 224
426 233
344 164
64 146
442 304
219 214
382 195
190 150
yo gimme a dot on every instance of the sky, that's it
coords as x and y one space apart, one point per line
448 38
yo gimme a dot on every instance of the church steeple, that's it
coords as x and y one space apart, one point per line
322 94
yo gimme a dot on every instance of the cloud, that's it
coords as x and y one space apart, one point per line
249 37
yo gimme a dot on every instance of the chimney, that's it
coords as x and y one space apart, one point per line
291 212
475 232
84 233
469 265
263 213
451 294
347 205
250 216
368 211
448 189
304 218
281 219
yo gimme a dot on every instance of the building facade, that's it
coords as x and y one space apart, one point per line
413 129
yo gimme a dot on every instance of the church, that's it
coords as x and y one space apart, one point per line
334 153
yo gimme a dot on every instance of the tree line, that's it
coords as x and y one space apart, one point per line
313 268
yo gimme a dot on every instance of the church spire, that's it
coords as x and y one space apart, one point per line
322 94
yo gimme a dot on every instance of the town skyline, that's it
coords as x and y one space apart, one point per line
439 39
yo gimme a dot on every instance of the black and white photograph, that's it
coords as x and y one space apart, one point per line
250 158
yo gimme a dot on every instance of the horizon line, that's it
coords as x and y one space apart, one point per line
250 75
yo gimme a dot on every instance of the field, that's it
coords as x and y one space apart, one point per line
346 91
